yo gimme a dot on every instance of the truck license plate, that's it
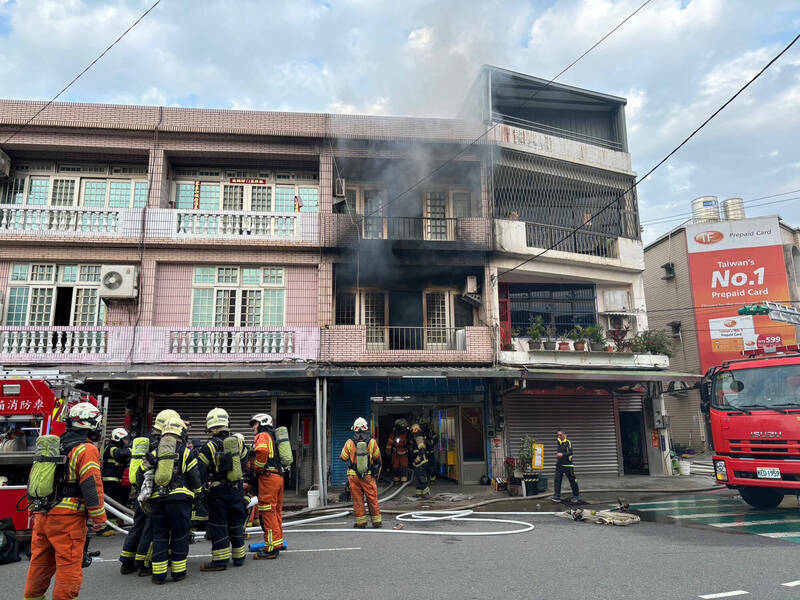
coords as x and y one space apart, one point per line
767 473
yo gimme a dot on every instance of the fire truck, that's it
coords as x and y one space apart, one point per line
31 404
754 410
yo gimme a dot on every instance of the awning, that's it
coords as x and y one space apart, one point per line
626 376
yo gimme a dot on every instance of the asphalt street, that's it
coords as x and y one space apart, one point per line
558 559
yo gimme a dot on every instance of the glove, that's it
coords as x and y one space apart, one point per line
375 470
146 491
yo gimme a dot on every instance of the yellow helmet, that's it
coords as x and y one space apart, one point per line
415 428
174 426
164 417
217 417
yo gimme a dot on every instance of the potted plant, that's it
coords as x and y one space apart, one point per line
550 337
525 465
563 344
578 336
596 337
535 332
620 338
652 342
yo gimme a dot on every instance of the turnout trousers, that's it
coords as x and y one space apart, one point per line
129 553
399 467
421 480
226 515
361 489
171 520
270 509
570 473
56 549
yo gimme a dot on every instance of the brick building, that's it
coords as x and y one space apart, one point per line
323 267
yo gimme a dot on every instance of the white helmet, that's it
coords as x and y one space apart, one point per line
360 424
85 415
262 419
119 434
217 417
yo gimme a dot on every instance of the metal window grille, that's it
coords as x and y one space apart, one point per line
225 308
41 307
436 313
251 308
375 316
345 308
232 197
561 305
63 192
437 213
13 192
85 307
261 198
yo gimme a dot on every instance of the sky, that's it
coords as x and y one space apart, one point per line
676 61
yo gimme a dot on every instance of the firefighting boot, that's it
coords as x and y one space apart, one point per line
214 566
126 568
359 525
262 554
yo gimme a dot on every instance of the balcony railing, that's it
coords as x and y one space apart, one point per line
60 220
54 340
416 338
410 228
556 131
565 239
231 341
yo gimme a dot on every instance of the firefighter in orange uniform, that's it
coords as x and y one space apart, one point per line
270 486
363 456
59 531
397 451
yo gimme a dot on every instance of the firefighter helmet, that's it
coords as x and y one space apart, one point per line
240 436
164 417
401 424
415 428
217 417
360 424
174 426
85 415
262 419
119 434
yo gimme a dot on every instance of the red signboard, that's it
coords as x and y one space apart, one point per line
248 181
733 263
26 397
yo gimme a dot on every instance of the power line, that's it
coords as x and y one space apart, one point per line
661 162
490 129
676 217
79 75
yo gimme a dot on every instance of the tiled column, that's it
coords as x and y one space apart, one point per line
325 292
326 176
159 188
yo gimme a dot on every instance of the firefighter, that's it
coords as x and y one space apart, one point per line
222 462
431 440
397 451
116 457
267 467
419 455
137 547
176 481
564 466
364 468
59 533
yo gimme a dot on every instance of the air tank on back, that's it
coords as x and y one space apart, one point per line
705 209
732 209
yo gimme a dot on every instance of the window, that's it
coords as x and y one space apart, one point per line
94 194
261 199
375 316
345 308
63 192
13 191
561 305
309 197
436 211
74 190
38 191
119 194
238 297
243 194
44 295
284 198
436 317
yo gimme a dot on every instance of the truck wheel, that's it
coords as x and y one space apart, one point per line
761 497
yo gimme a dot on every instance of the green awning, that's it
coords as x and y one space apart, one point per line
626 376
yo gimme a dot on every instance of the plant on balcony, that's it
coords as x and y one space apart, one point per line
619 337
596 337
578 336
550 337
653 341
536 332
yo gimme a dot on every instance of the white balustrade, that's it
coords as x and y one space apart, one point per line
231 342
58 219
53 341
220 223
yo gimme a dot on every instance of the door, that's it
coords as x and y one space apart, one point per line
437 319
448 450
473 445
436 216
374 227
405 321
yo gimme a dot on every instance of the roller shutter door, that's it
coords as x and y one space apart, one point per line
630 403
348 405
239 410
589 422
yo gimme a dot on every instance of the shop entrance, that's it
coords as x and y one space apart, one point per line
460 451
300 423
631 430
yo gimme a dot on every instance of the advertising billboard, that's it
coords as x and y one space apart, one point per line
733 263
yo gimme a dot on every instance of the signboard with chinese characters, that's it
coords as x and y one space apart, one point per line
733 263
26 397
248 181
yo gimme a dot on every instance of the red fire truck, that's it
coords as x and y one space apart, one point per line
30 406
754 410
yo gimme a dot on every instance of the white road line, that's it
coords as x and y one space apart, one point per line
708 515
114 560
317 524
748 523
791 583
727 506
724 594
781 534
685 501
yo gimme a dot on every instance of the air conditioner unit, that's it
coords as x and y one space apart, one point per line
119 281
338 188
471 285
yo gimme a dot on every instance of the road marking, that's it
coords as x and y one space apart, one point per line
114 560
317 523
686 501
724 594
710 515
752 523
726 506
791 583
780 534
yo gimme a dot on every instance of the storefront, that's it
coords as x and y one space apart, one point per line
455 408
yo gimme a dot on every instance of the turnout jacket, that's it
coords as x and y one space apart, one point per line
264 454
565 448
115 458
186 478
207 459
349 454
83 473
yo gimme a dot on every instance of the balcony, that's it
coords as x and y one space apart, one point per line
70 222
55 345
521 356
363 344
565 239
466 232
216 225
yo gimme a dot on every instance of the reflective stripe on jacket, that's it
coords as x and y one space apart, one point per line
565 448
83 468
115 458
264 454
187 478
349 454
207 459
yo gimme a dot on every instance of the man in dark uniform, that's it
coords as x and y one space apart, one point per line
564 466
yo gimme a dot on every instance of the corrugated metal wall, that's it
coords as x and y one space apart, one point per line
350 402
686 421
589 423
630 403
239 409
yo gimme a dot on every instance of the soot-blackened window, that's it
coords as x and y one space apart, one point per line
561 305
